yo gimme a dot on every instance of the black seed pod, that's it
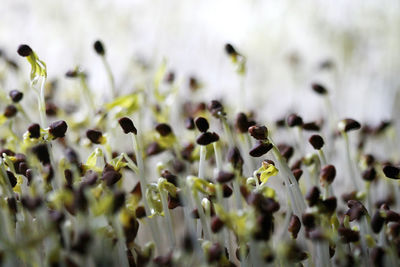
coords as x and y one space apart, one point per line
127 125
235 158
294 226
16 95
347 125
41 153
316 141
242 123
391 172
99 48
216 224
216 108
119 201
34 130
377 256
163 129
328 174
294 120
189 123
258 132
12 178
297 173
377 222
94 136
71 74
313 196
286 151
202 124
230 50
214 253
369 174
226 190
348 235
311 126
260 149
58 129
319 89
356 210
31 203
10 111
140 212
224 177
308 221
111 177
329 205
24 50
207 138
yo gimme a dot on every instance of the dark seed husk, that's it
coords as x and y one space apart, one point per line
127 125
260 149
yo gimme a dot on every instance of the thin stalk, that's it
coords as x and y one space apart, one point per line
202 216
87 93
322 157
349 160
167 214
143 185
297 198
202 161
42 104
110 76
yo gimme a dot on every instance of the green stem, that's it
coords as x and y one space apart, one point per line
167 214
349 160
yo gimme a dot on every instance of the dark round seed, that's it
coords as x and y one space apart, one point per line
34 130
16 95
311 126
294 226
369 174
111 177
12 204
58 129
24 50
347 125
313 196
294 120
216 224
119 201
377 256
297 173
99 48
153 149
163 129
356 210
227 191
230 50
127 125
94 136
377 222
189 123
260 149
316 141
242 123
391 172
329 205
258 132
140 212
214 253
286 151
328 174
12 178
319 89
224 177
71 74
202 124
392 216
207 138
308 221
41 153
235 158
348 235
31 203
10 111
216 108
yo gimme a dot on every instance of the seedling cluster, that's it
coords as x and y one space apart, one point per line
129 182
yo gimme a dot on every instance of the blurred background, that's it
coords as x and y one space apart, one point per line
352 47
